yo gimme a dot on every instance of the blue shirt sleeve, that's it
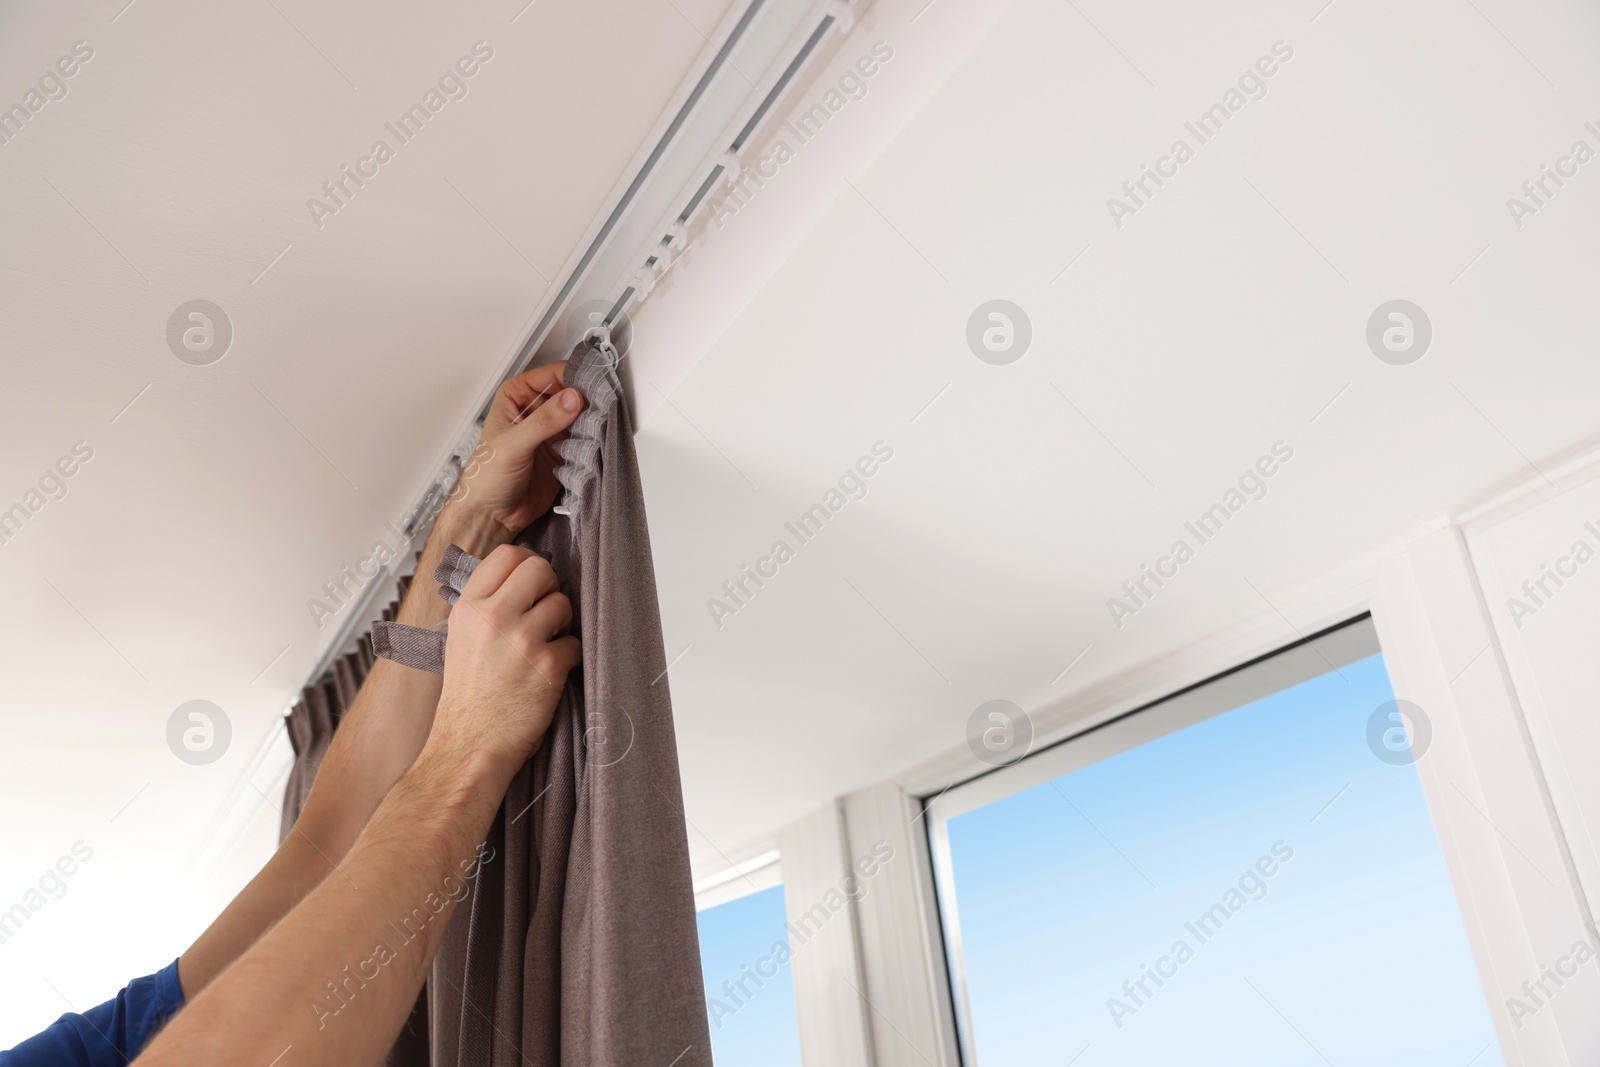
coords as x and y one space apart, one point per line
109 1035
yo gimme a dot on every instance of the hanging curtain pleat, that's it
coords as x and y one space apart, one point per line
578 946
311 723
310 729
314 717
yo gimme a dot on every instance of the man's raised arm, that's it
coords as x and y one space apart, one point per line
335 980
512 482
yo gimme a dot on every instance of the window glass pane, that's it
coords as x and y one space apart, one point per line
744 954
1257 888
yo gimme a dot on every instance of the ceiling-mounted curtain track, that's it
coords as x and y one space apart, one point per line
675 239
646 228
773 38
629 195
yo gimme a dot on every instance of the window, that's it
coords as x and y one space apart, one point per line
1235 876
744 955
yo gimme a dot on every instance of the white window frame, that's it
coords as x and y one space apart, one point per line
882 995
1425 603
761 871
1300 662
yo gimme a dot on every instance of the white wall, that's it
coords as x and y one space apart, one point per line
1511 698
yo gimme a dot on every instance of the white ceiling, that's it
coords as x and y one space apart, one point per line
178 567
823 317
1224 316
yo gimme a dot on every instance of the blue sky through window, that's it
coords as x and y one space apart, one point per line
752 1026
1351 950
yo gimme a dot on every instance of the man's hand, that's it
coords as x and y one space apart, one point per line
506 663
512 478
506 660
511 482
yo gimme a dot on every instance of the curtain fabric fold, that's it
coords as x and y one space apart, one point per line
577 946
580 947
314 717
311 723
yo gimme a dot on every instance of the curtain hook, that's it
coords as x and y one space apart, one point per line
600 336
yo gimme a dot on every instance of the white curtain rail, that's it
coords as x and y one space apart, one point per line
762 50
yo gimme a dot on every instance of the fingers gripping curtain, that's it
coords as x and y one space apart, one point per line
579 946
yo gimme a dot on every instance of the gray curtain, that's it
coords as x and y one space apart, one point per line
578 945
314 717
311 723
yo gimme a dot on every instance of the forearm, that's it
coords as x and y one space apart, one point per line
337 977
384 729
377 741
